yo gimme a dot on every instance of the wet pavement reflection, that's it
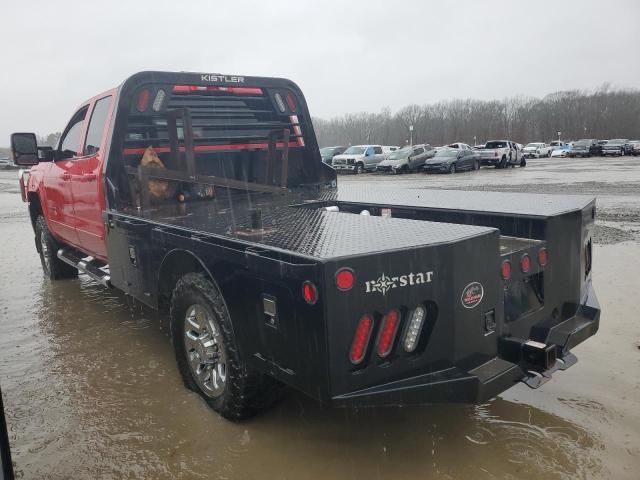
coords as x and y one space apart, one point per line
92 391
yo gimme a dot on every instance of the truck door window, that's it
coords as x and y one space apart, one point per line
96 126
377 149
70 140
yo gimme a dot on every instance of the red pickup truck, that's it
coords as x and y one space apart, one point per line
205 195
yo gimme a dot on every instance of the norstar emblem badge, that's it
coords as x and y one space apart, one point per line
385 283
472 295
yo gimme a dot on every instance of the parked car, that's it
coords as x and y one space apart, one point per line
635 147
501 154
358 158
327 153
6 163
618 147
459 145
557 145
585 147
536 150
561 151
407 159
453 160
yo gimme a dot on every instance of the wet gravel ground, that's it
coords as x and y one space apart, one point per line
92 391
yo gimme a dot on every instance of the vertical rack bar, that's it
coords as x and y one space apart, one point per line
285 158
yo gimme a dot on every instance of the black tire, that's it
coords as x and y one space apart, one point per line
359 168
47 246
503 162
452 168
549 154
476 165
523 162
245 393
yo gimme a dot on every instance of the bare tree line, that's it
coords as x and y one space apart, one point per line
604 113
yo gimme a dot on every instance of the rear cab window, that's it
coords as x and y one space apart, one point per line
377 150
97 123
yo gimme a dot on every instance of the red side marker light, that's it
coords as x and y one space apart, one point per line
143 100
291 103
309 292
525 263
361 339
388 333
543 257
505 270
345 279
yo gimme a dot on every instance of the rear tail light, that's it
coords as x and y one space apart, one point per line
345 279
388 333
310 292
361 339
143 100
543 257
414 328
525 263
505 270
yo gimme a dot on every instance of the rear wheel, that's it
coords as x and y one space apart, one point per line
47 246
207 353
359 168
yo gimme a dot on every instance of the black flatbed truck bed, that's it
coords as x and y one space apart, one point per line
349 294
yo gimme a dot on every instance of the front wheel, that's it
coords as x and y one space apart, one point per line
359 169
476 165
549 154
47 246
452 168
207 353
523 162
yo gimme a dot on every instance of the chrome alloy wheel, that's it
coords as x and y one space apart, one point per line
44 248
205 350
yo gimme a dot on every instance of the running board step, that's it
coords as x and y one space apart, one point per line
86 265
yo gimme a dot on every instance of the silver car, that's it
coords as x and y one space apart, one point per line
407 159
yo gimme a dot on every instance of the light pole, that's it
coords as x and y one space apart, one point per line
474 141
559 133
411 135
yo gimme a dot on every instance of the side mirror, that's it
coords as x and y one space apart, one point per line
24 148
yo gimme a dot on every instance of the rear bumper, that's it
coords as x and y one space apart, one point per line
491 378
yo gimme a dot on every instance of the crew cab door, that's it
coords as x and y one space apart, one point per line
87 185
58 178
378 156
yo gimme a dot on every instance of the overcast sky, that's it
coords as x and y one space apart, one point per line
347 56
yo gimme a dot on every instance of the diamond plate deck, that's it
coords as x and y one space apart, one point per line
308 231
528 204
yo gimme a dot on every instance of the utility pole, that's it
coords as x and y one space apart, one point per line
411 135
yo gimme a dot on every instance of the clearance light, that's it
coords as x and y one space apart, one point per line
345 279
279 102
505 270
291 102
143 100
543 257
157 102
525 263
309 292
388 333
361 339
414 328
202 88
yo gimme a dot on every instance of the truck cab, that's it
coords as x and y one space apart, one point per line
205 196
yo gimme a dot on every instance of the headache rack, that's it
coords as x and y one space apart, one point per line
227 123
